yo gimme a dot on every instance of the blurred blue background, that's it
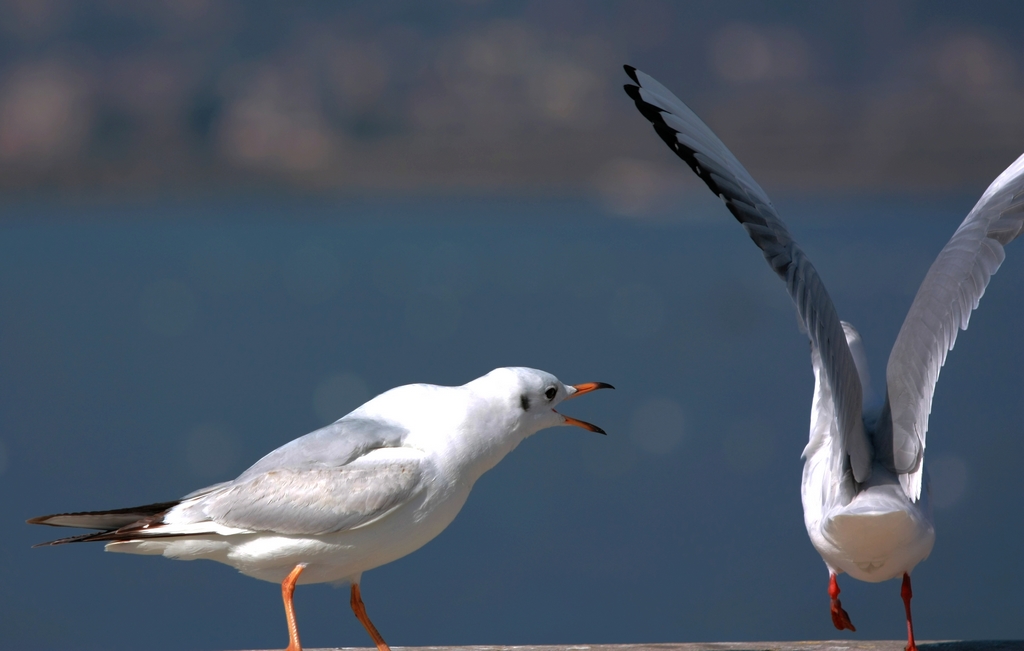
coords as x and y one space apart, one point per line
224 225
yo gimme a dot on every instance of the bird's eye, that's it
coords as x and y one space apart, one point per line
551 393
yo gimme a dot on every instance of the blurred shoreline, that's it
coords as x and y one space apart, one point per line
194 98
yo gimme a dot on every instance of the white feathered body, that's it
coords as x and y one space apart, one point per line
435 467
332 557
864 489
872 531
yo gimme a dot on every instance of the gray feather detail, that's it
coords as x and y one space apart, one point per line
205 490
307 486
712 161
314 501
329 447
824 431
951 290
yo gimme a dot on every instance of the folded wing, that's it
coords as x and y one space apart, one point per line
308 501
334 479
332 446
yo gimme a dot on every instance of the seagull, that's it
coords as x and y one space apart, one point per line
368 489
864 507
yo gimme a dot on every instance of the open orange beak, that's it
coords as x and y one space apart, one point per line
586 387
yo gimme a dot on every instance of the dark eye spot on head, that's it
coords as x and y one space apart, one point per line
551 393
524 402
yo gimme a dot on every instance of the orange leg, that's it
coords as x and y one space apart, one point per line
287 590
907 595
839 617
360 610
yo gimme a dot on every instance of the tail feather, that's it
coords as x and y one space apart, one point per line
115 535
110 523
85 537
108 520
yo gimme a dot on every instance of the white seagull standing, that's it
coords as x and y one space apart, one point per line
863 505
374 486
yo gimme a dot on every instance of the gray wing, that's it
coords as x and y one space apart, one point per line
950 291
334 445
314 501
318 483
327 481
712 161
329 447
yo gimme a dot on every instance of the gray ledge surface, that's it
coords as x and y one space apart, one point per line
826 645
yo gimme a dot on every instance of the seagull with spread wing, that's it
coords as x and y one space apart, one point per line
374 486
864 494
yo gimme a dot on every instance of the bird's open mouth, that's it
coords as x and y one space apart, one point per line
580 389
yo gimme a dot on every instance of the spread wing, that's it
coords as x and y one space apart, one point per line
950 291
824 485
712 161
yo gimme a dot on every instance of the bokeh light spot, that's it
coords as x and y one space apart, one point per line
743 53
658 426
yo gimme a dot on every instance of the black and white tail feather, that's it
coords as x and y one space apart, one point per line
299 488
114 525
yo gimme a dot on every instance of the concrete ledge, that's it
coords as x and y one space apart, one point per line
828 645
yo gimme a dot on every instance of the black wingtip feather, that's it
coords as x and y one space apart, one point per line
131 532
734 199
666 133
85 537
651 112
137 512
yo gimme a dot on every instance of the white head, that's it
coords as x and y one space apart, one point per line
532 395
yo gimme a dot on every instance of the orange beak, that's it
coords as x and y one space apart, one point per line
586 387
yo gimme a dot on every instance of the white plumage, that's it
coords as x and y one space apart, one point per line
366 490
864 507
